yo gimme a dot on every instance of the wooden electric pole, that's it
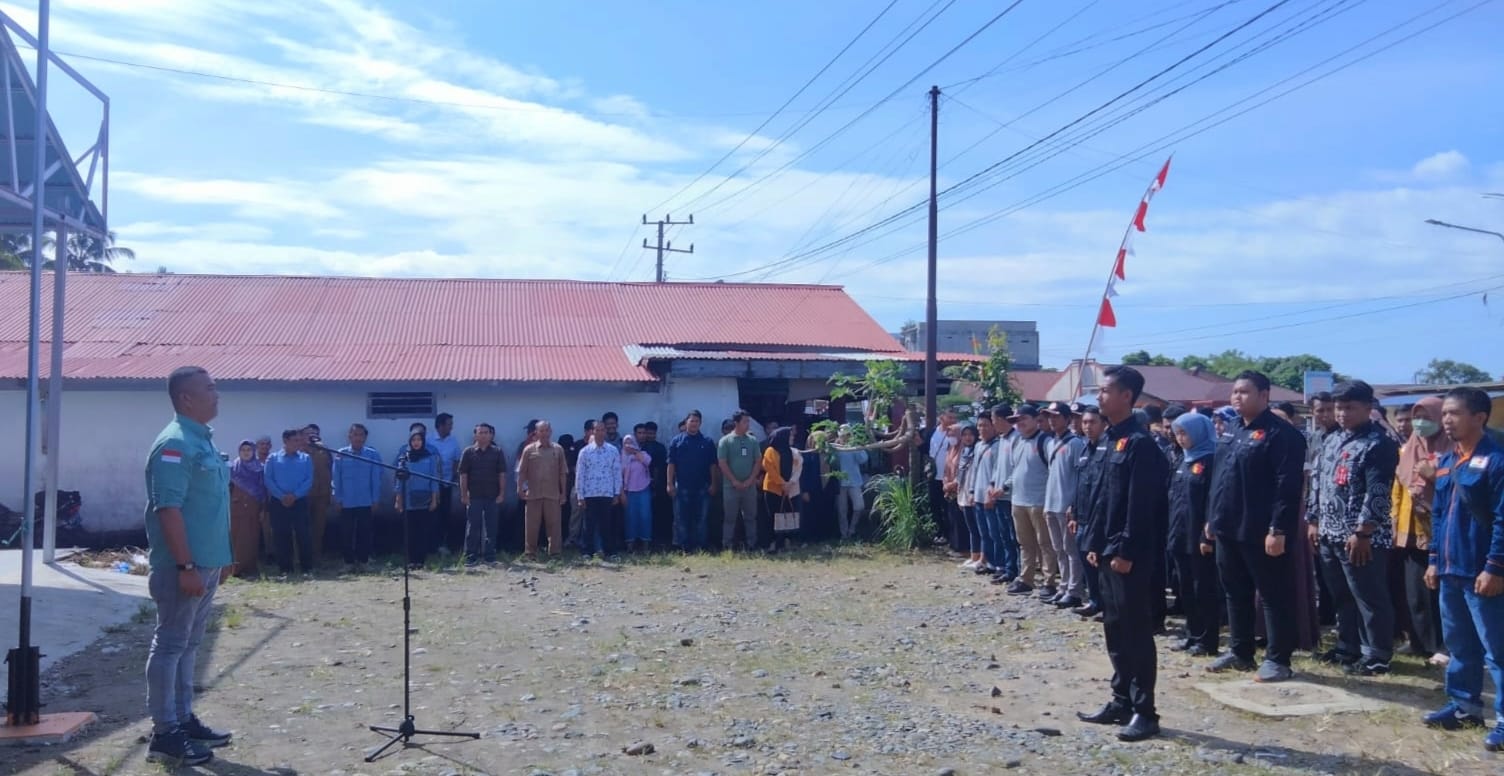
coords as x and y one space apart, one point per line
666 247
931 359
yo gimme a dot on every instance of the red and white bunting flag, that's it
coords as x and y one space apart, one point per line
1105 316
1120 267
1159 180
1138 217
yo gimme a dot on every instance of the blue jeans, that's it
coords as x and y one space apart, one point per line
973 515
1005 542
174 646
691 510
639 516
1473 628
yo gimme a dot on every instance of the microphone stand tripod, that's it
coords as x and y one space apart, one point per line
408 728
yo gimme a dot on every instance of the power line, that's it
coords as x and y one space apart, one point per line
961 185
864 114
786 103
1191 130
841 89
397 98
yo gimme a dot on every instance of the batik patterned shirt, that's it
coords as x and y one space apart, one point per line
1352 485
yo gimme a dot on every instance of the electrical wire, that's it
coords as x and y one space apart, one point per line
786 103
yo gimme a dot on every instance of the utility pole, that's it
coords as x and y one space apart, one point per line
931 360
666 247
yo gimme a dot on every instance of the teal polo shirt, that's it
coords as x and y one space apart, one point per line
184 470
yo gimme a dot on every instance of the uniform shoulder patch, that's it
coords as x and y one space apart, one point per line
1121 445
1198 467
170 455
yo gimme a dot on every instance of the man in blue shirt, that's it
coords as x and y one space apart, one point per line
357 488
1467 563
691 470
289 478
188 528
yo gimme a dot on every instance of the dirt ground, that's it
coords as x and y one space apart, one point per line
813 662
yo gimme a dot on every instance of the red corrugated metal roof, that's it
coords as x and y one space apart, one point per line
369 329
1035 386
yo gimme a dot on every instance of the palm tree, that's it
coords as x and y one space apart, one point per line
86 253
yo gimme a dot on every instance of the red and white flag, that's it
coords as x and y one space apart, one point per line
1107 317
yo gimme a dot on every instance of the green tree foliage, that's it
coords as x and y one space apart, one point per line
85 253
1286 371
990 378
1444 371
1142 358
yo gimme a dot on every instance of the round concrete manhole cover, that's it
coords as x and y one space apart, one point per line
1288 699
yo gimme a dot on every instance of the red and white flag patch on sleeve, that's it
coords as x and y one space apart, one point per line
172 456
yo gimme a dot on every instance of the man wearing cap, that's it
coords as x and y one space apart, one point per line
1063 450
1122 542
1351 531
1029 476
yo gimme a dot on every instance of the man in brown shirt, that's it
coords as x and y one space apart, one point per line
323 489
542 482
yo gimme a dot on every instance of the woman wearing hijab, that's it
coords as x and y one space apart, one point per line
1191 550
782 467
965 495
263 452
1414 487
422 497
247 500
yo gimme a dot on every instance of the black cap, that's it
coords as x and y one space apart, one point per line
1077 407
1025 409
1005 409
1056 408
1174 411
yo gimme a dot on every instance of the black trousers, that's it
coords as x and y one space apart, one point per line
358 533
1424 604
1365 615
1199 594
1246 569
289 523
597 514
1128 624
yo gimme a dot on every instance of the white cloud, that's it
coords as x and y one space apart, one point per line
246 199
1442 166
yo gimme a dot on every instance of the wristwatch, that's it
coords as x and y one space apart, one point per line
189 566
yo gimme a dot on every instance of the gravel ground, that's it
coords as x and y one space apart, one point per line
814 662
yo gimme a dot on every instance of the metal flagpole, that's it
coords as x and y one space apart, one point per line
23 705
1107 289
60 260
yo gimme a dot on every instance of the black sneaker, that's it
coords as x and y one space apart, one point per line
174 748
1335 657
1048 593
199 733
1367 667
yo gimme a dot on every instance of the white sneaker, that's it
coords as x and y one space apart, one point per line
970 564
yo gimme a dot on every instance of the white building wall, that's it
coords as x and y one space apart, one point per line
106 434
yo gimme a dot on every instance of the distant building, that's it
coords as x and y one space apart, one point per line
963 336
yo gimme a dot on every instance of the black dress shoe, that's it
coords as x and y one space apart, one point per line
1089 610
1139 728
1111 714
1069 603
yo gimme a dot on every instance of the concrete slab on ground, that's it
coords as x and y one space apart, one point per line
71 605
1289 699
53 729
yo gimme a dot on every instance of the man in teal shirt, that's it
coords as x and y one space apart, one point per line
188 528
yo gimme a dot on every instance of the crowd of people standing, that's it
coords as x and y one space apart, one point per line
603 494
1378 526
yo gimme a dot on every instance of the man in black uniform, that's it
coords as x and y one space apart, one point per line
1122 540
1088 479
1254 514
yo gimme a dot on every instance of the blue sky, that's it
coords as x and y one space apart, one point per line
527 140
